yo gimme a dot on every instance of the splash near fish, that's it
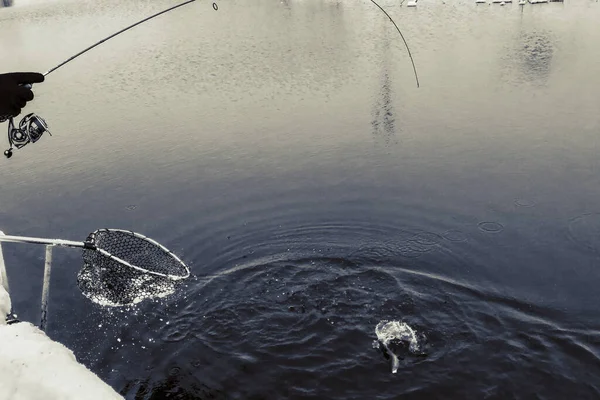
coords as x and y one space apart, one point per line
396 340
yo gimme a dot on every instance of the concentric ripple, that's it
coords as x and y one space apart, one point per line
585 230
491 227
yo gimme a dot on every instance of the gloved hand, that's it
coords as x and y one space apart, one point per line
13 96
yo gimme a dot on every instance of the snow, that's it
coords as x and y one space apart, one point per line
4 304
33 366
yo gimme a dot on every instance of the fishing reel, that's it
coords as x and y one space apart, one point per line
30 130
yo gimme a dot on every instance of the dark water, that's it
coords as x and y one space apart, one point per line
282 150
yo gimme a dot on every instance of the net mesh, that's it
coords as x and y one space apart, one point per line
108 281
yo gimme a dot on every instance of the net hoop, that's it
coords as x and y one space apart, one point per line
92 240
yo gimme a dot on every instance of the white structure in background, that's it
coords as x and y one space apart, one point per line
411 3
537 1
34 367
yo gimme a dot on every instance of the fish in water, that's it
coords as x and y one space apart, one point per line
395 340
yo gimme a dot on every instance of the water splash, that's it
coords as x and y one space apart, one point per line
106 292
394 337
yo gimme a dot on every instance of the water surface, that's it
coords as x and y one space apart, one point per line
283 150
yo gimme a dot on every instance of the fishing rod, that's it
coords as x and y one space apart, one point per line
32 126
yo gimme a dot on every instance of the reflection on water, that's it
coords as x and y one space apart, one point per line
383 109
536 54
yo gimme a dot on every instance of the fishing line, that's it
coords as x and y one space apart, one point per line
402 36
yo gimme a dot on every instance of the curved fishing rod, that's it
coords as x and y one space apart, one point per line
32 127
402 36
215 7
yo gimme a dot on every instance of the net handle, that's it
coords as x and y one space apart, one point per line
43 241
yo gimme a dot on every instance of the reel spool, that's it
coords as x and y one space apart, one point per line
30 130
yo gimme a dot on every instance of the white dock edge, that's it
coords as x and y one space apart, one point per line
34 367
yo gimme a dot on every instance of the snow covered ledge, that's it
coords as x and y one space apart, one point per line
33 366
4 303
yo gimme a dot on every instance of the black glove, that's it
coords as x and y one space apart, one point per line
13 96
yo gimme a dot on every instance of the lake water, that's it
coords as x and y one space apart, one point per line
283 150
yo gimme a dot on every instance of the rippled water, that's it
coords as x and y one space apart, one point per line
283 150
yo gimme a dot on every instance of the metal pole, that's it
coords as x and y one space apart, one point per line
35 240
3 276
46 287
